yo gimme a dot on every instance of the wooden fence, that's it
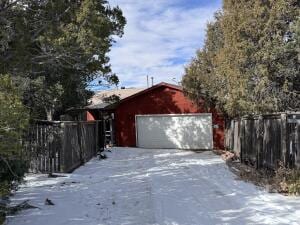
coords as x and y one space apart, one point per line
62 146
264 141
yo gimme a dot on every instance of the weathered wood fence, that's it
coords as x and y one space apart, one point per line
62 146
264 141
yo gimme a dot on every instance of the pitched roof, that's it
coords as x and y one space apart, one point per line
145 91
97 100
124 94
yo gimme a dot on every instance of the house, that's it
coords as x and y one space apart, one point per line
101 104
163 117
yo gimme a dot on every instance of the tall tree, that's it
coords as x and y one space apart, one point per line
277 56
13 121
201 80
256 69
60 46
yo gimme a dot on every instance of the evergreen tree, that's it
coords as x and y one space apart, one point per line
51 51
200 81
60 46
13 121
255 69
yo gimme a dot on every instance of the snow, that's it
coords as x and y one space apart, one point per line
138 186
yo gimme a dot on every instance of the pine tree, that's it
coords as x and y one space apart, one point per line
62 43
256 68
200 80
13 120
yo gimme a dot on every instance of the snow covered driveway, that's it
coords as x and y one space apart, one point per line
138 186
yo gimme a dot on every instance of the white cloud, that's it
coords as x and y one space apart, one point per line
161 36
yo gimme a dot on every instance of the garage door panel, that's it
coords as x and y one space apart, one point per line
175 131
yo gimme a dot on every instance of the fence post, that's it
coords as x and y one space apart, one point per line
284 139
242 136
236 137
79 127
102 135
260 137
297 145
97 136
231 138
61 157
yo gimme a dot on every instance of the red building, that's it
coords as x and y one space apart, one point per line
159 100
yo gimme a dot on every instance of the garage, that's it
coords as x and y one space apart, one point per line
162 116
180 131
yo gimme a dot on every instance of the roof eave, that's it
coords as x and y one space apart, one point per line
162 84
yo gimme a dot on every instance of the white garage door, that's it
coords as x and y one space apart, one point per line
182 131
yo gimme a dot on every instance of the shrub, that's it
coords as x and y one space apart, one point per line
13 121
287 180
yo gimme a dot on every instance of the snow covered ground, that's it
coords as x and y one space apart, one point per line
138 186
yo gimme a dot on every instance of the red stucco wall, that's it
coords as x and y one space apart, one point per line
162 100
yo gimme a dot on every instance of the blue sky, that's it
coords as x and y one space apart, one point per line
161 37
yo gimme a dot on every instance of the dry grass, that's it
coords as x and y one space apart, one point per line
282 180
288 180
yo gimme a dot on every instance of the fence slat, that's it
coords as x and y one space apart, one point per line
297 140
267 140
62 146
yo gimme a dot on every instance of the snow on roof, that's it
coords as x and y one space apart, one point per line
97 99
